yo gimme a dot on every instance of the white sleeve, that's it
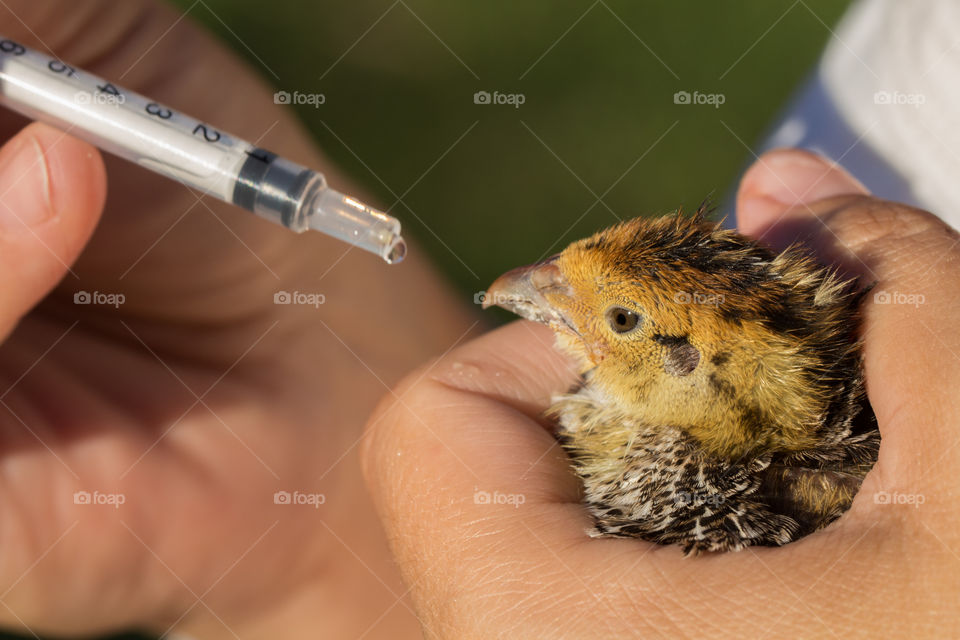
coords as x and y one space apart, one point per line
884 102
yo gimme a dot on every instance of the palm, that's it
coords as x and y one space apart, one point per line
192 469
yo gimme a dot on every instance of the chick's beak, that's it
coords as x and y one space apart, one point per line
535 292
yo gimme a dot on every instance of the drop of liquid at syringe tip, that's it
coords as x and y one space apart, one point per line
396 252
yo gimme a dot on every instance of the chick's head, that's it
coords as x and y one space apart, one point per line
678 322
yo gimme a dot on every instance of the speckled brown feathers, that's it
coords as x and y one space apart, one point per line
722 403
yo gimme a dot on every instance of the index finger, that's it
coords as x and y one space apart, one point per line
911 347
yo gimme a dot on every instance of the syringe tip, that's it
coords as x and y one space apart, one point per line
396 252
347 218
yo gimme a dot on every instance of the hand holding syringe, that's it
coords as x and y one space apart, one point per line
173 144
198 397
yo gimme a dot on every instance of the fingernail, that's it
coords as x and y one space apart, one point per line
24 184
797 177
782 179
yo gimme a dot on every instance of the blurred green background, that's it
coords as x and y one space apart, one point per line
485 187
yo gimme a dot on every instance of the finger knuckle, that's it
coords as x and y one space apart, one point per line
866 221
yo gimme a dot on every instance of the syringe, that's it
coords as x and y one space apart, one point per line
195 153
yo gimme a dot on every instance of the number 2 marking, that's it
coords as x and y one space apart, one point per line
210 135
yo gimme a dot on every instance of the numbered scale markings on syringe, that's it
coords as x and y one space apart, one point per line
163 140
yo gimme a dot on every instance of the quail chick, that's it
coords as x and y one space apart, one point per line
722 401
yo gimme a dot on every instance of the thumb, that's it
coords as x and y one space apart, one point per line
785 179
458 465
52 190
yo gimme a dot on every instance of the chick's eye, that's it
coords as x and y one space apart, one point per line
622 320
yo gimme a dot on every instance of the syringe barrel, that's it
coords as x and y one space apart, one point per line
190 151
120 121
